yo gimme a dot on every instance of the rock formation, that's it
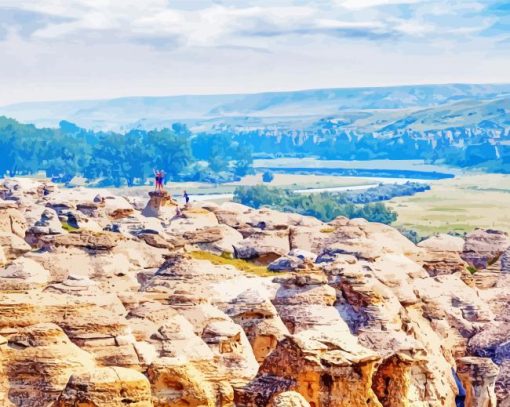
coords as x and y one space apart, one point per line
104 304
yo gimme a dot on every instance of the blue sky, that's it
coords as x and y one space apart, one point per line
82 49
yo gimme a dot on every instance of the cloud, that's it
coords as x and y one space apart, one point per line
362 4
90 47
213 24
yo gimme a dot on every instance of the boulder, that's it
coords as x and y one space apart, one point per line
13 246
289 399
108 387
160 205
219 239
12 221
484 247
39 361
23 274
442 255
263 246
478 376
286 263
100 241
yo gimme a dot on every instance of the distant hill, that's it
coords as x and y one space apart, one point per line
372 109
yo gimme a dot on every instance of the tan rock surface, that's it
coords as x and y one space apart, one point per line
117 313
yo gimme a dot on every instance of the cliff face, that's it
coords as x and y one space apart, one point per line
117 311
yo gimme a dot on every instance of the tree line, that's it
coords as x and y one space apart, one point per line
120 159
325 206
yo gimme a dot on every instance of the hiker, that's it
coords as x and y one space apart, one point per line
186 197
160 179
157 177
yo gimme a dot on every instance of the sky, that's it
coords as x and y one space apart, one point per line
97 49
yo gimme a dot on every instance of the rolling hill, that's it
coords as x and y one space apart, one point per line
370 108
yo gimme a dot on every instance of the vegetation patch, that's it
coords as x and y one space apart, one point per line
325 206
66 226
240 264
472 269
328 230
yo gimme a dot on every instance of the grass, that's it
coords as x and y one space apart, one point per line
457 205
240 264
66 226
328 230
472 269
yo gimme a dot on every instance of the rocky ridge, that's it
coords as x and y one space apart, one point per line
104 304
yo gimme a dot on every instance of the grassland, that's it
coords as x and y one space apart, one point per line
458 205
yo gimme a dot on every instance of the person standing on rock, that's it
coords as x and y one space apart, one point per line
159 177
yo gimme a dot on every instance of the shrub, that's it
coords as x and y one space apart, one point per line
267 176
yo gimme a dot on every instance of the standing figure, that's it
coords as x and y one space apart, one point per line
161 179
158 175
186 197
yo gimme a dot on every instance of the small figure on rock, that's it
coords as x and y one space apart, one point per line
160 180
186 197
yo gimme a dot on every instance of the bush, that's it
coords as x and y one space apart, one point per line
268 176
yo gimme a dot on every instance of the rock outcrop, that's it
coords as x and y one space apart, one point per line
103 303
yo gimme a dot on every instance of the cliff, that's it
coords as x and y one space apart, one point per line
117 310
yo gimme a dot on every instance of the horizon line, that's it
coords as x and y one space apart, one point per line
256 93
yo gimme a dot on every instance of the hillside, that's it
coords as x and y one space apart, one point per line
264 108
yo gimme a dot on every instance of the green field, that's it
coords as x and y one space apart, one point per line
457 205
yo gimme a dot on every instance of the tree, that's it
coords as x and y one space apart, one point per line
267 176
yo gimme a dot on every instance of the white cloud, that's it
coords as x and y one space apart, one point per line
361 4
105 48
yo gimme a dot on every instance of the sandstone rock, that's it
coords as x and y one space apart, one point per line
216 239
484 247
23 274
192 219
108 387
156 240
264 246
502 387
39 362
303 254
289 399
160 205
84 239
321 371
13 246
12 221
260 321
117 207
49 223
128 317
286 263
486 344
177 383
443 243
3 258
442 255
478 376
